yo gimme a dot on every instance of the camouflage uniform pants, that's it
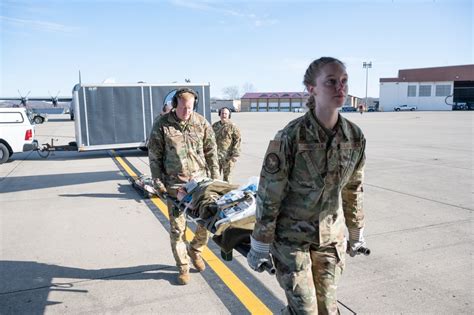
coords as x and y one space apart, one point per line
178 237
225 168
309 278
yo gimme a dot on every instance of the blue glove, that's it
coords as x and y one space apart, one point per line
258 257
357 244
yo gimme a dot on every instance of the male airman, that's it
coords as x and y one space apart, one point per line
228 142
182 146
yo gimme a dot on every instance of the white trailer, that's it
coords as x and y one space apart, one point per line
119 116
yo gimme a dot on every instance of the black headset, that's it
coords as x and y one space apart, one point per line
221 109
181 91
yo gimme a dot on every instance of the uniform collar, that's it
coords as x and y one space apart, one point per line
341 126
173 118
344 126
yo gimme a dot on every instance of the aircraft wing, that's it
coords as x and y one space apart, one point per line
46 99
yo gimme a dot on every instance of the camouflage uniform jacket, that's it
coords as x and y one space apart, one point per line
311 187
228 140
179 150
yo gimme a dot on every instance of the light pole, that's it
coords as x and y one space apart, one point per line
366 66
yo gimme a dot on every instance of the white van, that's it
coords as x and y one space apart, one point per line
16 132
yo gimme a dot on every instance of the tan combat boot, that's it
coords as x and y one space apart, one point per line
183 276
196 259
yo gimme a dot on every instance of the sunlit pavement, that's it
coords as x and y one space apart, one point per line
76 238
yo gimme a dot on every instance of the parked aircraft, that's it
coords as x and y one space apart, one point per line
23 100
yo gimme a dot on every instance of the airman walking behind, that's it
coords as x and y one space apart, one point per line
182 146
310 190
228 142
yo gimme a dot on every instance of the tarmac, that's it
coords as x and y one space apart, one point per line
76 238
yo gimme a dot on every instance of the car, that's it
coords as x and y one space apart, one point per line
404 108
464 106
348 109
371 109
37 118
17 132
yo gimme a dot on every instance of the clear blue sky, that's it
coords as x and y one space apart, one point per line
227 43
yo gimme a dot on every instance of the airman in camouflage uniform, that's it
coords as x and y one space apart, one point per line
310 189
228 142
182 146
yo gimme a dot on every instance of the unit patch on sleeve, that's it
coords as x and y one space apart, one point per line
272 163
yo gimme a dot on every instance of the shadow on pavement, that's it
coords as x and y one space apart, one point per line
126 192
76 155
25 285
25 183
61 155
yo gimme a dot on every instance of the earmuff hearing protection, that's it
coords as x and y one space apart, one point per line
179 92
221 109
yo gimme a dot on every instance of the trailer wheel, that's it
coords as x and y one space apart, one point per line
43 153
4 153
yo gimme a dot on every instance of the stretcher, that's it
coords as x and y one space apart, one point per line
228 215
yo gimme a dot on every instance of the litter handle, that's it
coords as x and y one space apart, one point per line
361 250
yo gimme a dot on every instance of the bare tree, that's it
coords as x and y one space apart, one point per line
247 87
231 92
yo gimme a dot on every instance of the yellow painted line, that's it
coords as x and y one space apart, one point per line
125 166
163 208
240 290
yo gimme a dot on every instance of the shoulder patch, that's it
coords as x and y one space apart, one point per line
272 163
274 145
